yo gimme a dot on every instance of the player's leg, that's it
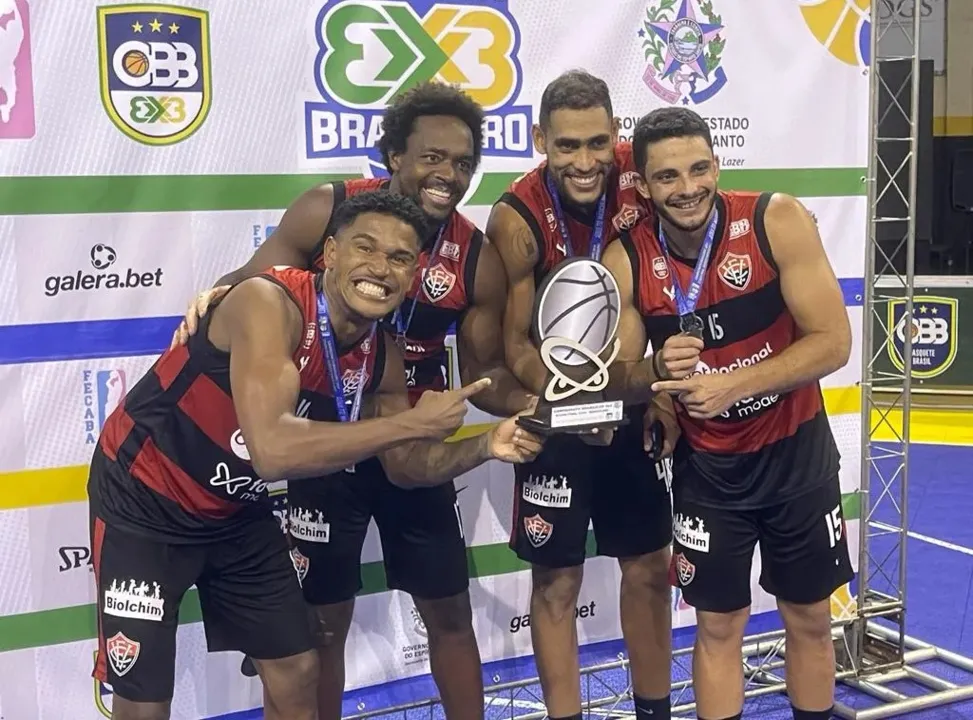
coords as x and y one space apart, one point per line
632 518
552 508
252 602
712 556
140 585
425 555
328 521
804 549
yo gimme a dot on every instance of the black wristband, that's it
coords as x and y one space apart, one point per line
655 367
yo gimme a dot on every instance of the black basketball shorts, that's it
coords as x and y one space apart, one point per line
803 550
421 532
248 592
618 489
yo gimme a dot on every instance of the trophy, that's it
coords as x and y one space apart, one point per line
576 314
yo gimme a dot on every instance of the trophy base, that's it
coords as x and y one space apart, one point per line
575 419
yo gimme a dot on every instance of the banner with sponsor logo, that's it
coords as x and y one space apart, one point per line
942 333
147 149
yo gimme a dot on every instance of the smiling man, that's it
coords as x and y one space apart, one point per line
736 291
431 145
178 489
572 205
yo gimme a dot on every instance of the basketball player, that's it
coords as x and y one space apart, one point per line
431 146
567 207
737 292
178 497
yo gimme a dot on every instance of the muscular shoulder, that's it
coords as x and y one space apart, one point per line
616 259
256 305
516 243
306 219
490 278
789 225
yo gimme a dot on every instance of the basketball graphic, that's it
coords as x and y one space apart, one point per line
843 27
578 301
136 63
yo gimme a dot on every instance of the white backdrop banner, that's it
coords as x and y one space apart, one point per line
145 150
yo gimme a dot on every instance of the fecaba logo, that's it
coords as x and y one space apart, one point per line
684 51
368 53
155 70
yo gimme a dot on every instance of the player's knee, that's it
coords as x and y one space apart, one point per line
123 709
807 623
555 590
721 631
330 625
292 682
446 617
646 577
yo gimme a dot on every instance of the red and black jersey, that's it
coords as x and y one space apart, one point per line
174 464
442 289
762 450
530 197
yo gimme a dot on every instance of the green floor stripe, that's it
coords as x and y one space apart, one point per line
167 193
73 624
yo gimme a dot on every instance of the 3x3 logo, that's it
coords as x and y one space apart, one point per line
368 53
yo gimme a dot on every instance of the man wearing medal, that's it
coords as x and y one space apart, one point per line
568 207
737 296
431 146
178 489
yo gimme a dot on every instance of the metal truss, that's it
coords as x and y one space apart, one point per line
873 653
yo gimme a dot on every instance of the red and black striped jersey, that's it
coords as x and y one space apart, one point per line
530 197
442 291
762 450
173 462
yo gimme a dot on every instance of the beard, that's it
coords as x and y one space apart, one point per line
686 227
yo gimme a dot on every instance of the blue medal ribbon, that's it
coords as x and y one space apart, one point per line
402 326
686 302
597 232
330 351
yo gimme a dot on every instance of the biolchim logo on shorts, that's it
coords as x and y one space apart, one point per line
134 599
370 52
155 70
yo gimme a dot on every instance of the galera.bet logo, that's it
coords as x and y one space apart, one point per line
370 52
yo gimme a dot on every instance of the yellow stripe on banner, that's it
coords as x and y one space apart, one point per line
55 486
51 486
952 126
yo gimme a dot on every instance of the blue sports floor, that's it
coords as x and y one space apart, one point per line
939 611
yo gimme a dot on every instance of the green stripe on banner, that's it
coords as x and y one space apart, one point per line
169 193
73 624
806 182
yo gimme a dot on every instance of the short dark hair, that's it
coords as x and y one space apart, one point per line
382 202
574 90
665 123
428 98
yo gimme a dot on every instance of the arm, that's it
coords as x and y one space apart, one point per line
295 238
519 251
261 327
813 297
422 463
480 339
632 374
